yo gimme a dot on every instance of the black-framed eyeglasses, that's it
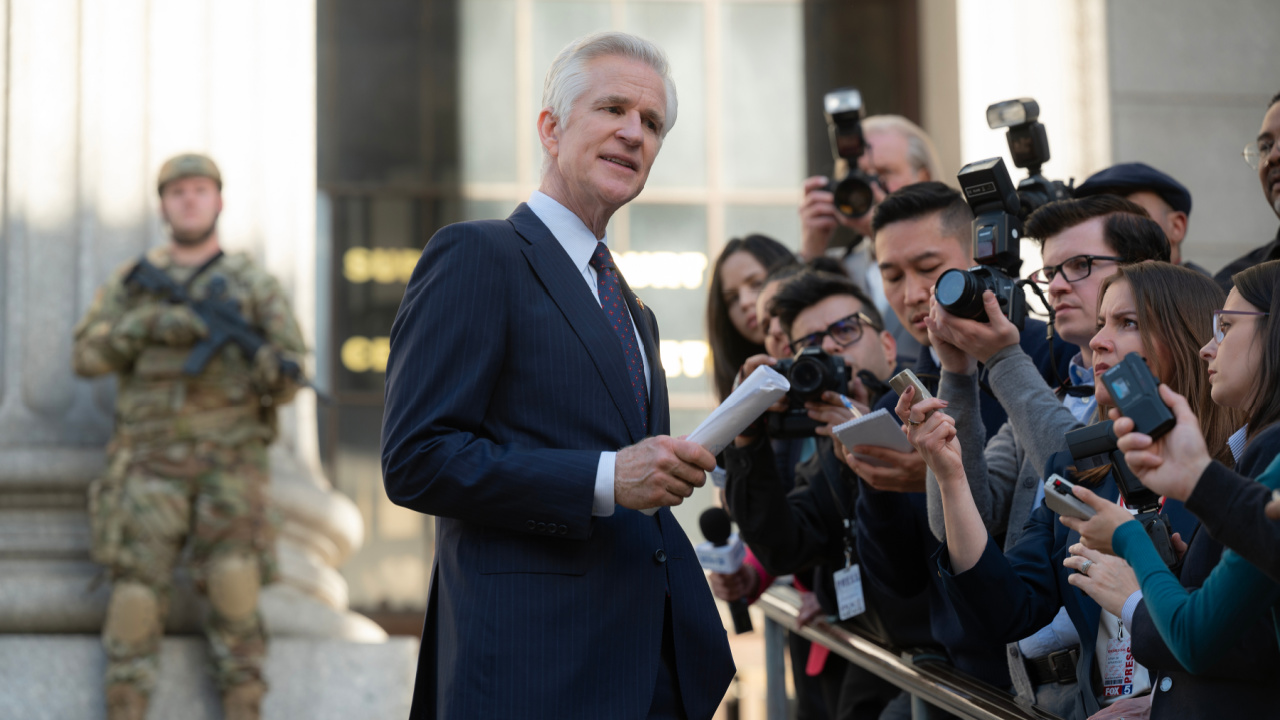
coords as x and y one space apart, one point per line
845 332
1220 332
1072 269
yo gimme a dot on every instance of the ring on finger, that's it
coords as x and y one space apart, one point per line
1084 568
913 422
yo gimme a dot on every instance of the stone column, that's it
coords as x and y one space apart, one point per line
98 95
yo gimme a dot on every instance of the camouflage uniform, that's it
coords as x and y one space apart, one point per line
187 464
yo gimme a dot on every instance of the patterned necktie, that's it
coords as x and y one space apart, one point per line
615 309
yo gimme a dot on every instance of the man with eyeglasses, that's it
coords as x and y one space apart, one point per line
1261 156
801 531
1082 243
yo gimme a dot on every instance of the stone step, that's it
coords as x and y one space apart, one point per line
57 677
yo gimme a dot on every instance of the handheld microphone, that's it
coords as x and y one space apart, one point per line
723 553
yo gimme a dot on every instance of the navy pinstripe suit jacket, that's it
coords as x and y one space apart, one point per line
504 384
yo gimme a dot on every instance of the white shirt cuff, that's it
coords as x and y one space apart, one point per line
1130 605
603 504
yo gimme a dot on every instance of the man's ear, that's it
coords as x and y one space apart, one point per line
890 347
1178 219
549 132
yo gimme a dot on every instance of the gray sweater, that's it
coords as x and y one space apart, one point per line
1004 476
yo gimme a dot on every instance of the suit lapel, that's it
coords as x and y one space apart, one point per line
571 295
659 416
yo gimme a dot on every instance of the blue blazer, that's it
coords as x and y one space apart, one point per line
1009 596
505 382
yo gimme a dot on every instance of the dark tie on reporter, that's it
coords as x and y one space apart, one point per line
615 308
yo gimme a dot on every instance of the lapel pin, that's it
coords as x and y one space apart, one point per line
639 302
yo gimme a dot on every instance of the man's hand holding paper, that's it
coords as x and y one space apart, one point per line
661 471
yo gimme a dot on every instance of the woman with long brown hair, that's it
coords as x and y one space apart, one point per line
1171 308
1162 313
1214 619
733 330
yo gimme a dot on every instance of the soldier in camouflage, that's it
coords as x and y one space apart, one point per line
188 459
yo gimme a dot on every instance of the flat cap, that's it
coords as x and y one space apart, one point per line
1128 178
188 165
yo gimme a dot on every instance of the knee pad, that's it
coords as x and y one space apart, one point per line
233 582
133 615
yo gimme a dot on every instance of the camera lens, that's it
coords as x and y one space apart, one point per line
806 377
960 293
853 196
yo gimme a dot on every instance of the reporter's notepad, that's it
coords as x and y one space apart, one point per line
876 428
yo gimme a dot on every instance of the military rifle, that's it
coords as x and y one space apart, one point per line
221 315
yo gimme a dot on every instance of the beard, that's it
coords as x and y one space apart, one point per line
192 238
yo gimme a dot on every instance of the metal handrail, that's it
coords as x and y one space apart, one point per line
924 676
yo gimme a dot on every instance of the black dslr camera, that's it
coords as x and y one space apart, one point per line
811 373
999 210
1137 393
997 228
1095 446
844 112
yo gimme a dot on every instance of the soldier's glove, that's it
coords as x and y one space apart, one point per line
178 325
266 369
132 332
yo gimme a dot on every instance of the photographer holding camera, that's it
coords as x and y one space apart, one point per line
923 231
873 157
838 333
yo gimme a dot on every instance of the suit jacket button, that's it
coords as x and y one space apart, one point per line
1166 682
531 525
1028 483
564 529
542 527
659 555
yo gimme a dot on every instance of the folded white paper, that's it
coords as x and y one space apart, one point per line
761 389
747 402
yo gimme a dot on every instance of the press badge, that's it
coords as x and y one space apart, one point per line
1117 676
849 592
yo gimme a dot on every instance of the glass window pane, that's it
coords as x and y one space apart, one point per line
488 89
763 139
678 29
667 267
780 222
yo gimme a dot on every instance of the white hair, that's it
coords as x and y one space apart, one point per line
567 77
920 150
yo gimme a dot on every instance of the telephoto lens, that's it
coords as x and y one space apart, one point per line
853 195
959 292
808 378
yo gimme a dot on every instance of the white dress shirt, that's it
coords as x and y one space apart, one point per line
580 244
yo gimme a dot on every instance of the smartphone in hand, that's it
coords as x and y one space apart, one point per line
906 379
1059 498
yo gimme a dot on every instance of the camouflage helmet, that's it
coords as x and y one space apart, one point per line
188 165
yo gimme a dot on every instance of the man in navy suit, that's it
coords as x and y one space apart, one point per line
526 408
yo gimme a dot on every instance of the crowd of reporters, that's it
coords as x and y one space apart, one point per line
1160 604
